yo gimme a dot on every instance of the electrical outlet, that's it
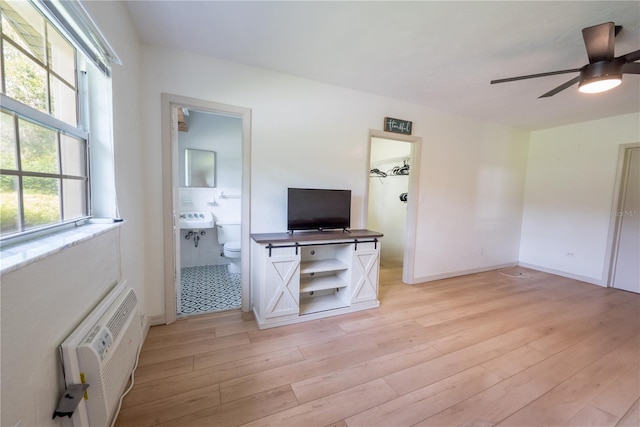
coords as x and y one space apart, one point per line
570 254
481 251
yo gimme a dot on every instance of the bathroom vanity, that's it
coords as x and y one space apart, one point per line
309 275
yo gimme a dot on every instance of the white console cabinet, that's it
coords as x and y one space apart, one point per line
310 275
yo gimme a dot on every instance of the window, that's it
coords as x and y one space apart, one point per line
44 167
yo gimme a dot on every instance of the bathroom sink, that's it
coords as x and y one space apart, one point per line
196 220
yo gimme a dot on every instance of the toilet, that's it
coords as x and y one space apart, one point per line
229 239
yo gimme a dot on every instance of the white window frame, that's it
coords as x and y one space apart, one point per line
70 19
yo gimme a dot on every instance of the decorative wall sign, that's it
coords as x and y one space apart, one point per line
397 126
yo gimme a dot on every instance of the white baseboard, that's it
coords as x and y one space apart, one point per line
156 320
461 273
586 279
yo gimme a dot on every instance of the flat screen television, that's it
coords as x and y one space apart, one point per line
318 209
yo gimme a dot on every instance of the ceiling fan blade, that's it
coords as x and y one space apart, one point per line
631 68
561 87
599 41
631 56
533 76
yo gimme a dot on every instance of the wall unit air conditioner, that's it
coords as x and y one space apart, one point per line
102 352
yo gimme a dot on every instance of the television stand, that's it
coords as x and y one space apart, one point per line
312 275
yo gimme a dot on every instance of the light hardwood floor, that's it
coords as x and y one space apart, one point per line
479 350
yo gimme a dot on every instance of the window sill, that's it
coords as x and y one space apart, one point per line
14 257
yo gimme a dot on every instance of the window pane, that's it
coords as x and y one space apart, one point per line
61 56
74 199
23 24
38 148
9 204
63 102
25 80
8 31
73 156
41 197
7 142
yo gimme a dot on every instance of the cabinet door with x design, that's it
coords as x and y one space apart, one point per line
282 284
364 279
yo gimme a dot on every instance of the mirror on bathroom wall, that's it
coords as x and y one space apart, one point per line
200 168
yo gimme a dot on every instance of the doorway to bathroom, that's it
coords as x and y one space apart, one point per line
205 148
210 181
392 189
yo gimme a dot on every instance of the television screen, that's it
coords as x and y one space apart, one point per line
318 209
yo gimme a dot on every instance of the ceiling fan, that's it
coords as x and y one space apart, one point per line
603 72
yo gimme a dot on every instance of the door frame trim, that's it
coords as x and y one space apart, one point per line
170 202
614 219
408 263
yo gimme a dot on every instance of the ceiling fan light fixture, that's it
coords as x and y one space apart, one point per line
600 76
598 86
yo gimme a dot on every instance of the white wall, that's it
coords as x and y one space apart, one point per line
113 20
569 194
43 302
471 196
309 134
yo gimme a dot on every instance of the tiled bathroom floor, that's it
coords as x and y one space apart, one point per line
208 288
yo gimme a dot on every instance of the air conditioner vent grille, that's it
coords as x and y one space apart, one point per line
117 321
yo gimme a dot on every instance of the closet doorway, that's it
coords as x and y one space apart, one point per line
392 186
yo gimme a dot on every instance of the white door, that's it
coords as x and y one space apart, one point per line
626 273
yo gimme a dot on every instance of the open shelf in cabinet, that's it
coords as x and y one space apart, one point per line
322 265
324 277
320 283
321 303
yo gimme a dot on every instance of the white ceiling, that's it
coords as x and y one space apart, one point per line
440 54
